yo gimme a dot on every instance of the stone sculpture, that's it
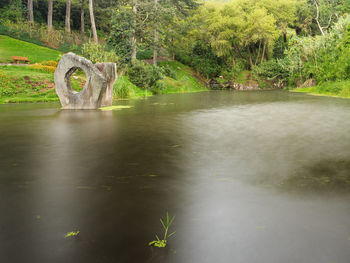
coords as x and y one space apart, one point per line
98 89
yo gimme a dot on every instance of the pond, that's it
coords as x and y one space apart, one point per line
249 176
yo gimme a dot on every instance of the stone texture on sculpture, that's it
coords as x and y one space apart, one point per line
98 89
109 71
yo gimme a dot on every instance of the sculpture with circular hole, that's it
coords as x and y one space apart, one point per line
98 88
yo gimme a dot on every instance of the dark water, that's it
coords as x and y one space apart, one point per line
250 176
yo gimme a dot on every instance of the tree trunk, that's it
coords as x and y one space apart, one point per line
263 53
82 17
156 39
67 28
92 20
155 50
258 55
49 16
317 16
238 50
133 38
30 12
284 32
250 58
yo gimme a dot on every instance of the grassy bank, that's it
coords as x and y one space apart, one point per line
185 80
332 89
13 47
24 84
28 84
35 83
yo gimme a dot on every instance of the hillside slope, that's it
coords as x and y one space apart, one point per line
13 47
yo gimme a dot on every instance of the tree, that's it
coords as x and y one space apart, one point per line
30 11
67 24
82 17
123 37
134 40
156 37
284 12
92 21
49 15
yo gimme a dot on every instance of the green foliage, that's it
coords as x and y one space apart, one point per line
233 72
270 70
204 61
332 88
38 34
167 70
123 88
144 54
143 75
323 57
13 12
120 37
166 226
19 84
98 53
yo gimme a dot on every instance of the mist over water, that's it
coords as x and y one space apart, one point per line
250 176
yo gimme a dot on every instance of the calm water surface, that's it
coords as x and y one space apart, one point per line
250 176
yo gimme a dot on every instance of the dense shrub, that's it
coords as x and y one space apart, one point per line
167 71
323 57
97 53
270 70
120 37
232 73
144 54
144 75
13 12
201 57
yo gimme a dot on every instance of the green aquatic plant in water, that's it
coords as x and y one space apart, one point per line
72 234
117 107
162 243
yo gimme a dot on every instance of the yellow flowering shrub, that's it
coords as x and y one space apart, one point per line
45 66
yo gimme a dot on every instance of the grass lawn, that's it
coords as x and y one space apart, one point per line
13 47
25 84
331 89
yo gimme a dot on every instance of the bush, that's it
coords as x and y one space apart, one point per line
123 88
209 68
183 58
169 72
270 70
143 75
97 53
234 72
144 54
13 12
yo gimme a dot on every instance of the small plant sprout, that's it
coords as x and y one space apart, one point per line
72 234
162 243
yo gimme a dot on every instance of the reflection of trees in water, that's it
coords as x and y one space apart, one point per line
322 176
